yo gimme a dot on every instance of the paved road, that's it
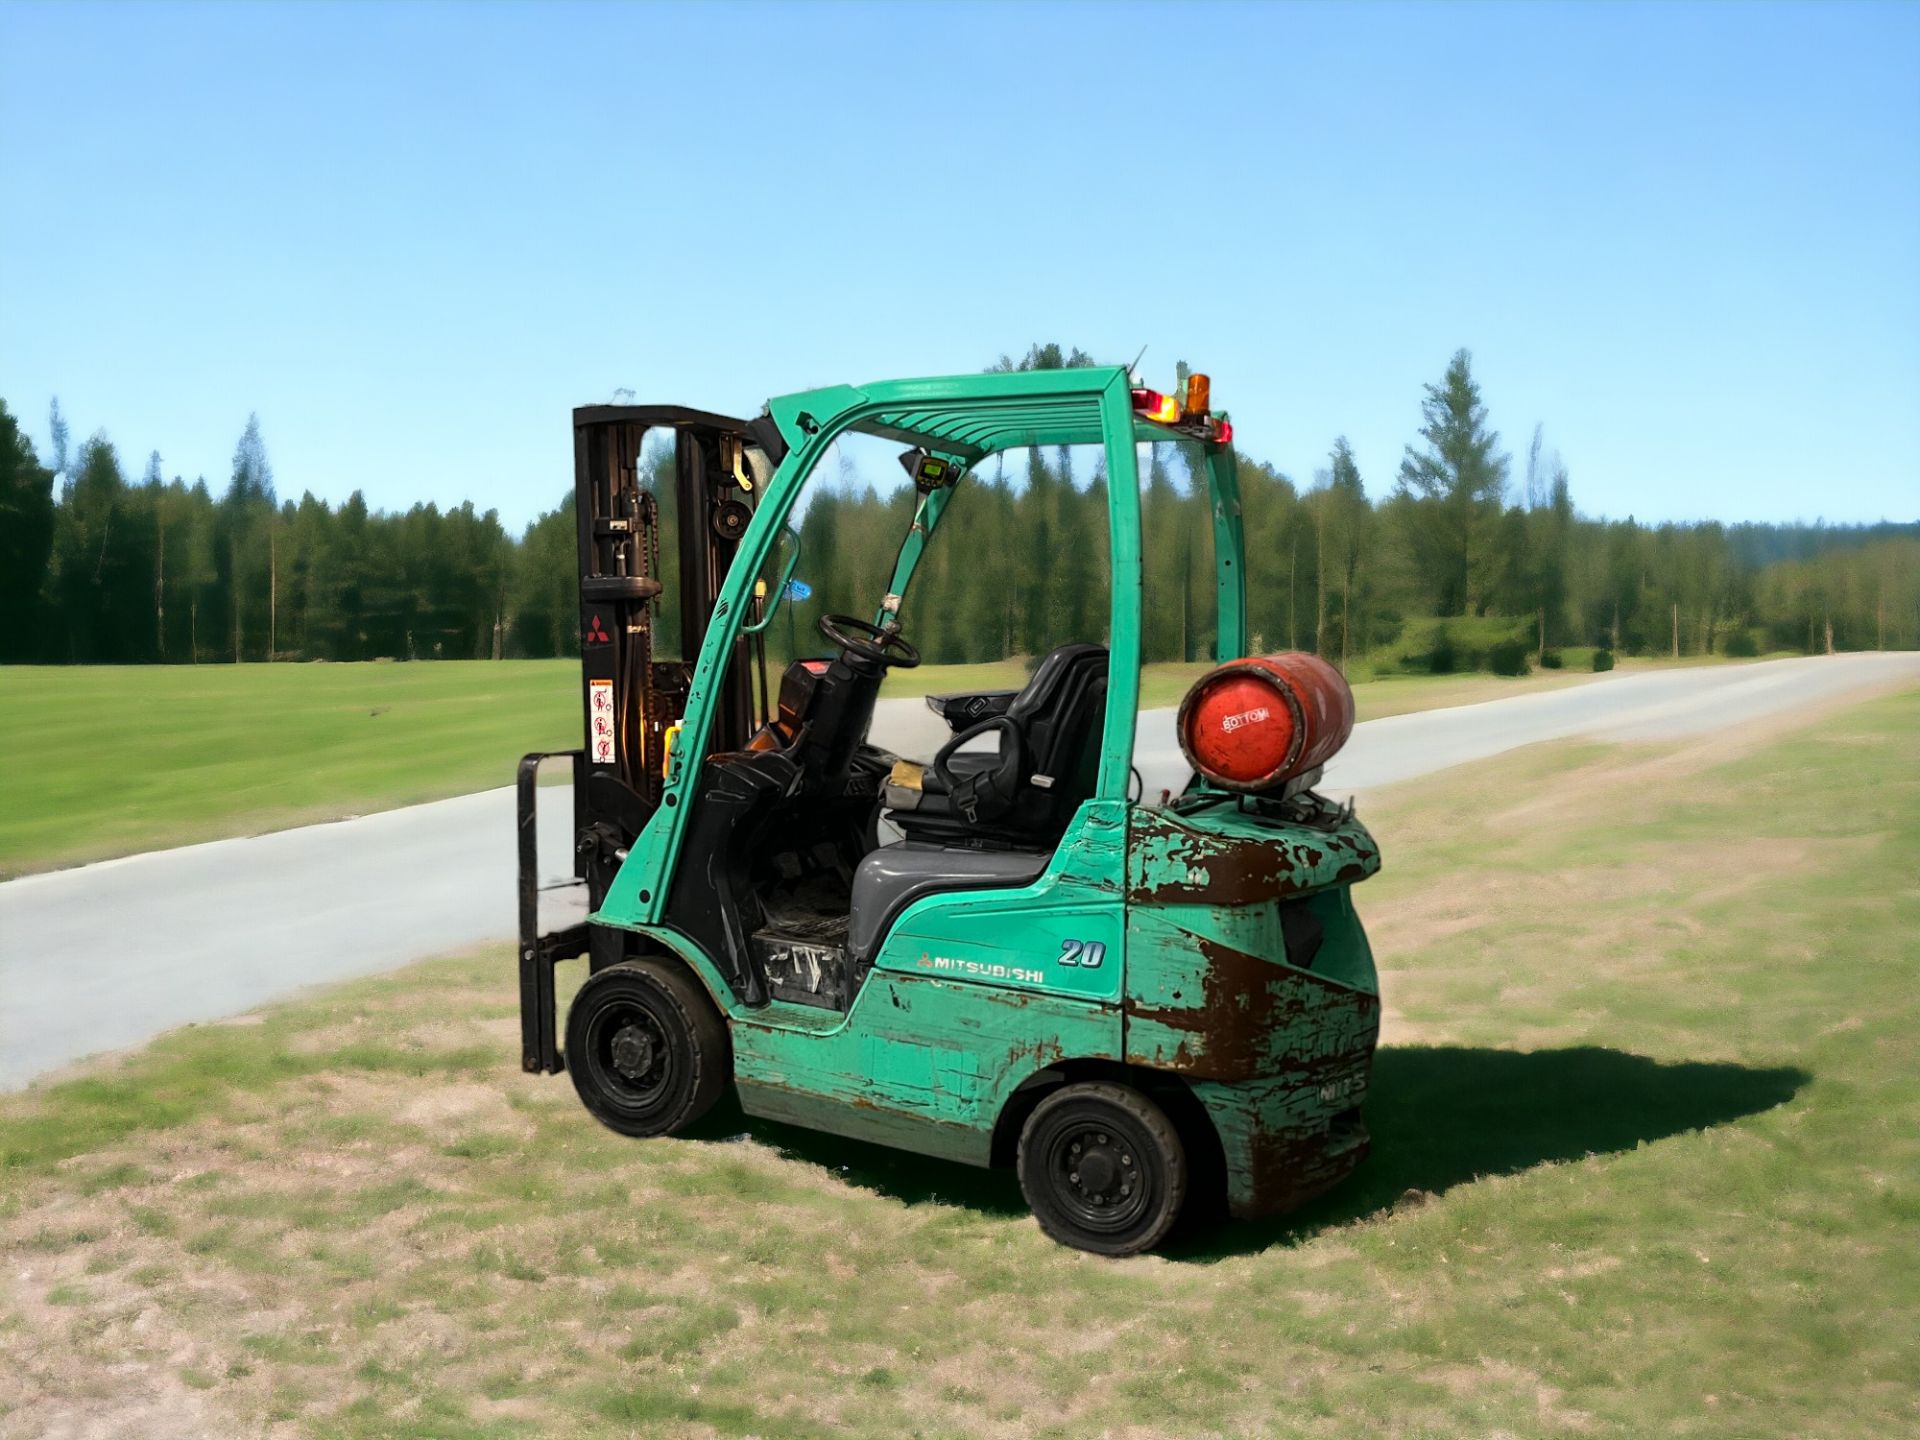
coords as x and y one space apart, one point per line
108 955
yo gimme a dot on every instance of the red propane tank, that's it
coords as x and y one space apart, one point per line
1254 724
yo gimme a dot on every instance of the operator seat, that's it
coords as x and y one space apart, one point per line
894 876
1023 796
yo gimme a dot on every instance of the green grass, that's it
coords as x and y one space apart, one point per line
1647 1162
104 761
938 679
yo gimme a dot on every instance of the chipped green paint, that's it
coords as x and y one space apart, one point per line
1226 855
968 1000
921 1060
1285 1143
924 1063
1036 937
930 1054
1277 1039
1202 1007
1186 917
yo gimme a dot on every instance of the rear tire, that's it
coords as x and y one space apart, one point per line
647 1051
1103 1169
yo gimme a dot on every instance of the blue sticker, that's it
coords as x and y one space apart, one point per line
798 590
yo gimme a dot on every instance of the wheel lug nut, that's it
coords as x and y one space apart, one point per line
1073 1176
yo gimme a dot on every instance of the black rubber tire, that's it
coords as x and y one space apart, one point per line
667 1027
1136 1146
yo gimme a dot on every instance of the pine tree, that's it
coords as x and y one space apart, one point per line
1162 562
88 562
57 429
1316 505
1552 535
156 498
1351 524
1456 478
1037 557
247 512
26 542
201 572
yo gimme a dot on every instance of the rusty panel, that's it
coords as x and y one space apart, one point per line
1277 1045
1200 1006
1223 856
1284 1143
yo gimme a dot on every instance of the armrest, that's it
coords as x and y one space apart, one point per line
963 709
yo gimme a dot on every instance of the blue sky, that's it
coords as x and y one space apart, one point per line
412 237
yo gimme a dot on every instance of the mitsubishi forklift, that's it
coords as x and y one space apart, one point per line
1002 953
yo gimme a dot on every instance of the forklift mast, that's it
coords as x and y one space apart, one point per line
630 698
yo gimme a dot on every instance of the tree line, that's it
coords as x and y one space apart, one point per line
99 567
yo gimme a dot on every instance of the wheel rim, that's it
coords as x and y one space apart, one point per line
632 1055
1100 1176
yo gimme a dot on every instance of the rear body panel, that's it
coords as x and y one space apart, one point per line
1249 974
1218 947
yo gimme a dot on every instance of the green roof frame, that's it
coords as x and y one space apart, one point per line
969 417
964 418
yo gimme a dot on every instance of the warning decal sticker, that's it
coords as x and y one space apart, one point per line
600 721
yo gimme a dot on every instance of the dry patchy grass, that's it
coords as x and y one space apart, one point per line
1646 1163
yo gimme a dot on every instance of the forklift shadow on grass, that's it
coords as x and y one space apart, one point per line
1444 1116
1447 1115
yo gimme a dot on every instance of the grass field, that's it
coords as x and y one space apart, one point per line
103 761
100 761
1647 1162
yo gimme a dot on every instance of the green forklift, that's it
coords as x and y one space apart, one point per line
1003 953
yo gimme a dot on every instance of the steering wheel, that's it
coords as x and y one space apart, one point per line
870 642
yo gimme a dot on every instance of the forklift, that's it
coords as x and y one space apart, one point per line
1002 954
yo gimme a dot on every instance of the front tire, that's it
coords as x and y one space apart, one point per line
1103 1169
647 1051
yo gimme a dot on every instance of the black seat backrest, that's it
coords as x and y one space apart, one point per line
1057 712
1056 670
1028 793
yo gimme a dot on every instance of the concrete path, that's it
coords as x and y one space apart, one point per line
109 955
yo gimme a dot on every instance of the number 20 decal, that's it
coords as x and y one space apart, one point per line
1086 954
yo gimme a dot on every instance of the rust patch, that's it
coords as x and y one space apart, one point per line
1259 1019
1037 1054
1173 863
1288 1168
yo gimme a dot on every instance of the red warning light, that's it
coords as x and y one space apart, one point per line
1152 405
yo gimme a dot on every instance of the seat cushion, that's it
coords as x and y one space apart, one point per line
911 784
894 876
